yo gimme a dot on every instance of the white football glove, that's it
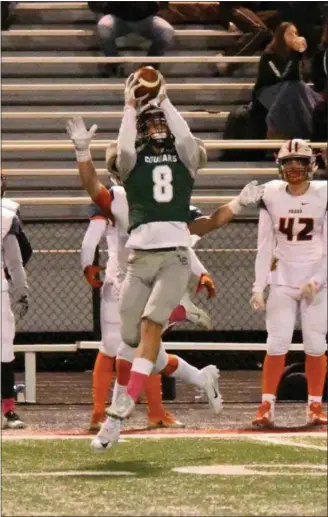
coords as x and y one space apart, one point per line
309 291
79 134
22 306
131 86
257 302
162 94
251 193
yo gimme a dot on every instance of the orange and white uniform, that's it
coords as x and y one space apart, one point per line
292 250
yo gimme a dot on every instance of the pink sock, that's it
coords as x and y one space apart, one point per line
136 385
178 314
8 405
141 369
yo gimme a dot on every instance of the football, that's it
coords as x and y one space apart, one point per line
150 82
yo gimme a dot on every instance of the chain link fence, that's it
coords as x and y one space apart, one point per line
62 301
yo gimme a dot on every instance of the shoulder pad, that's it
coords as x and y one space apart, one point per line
271 187
111 154
94 211
202 153
321 187
9 204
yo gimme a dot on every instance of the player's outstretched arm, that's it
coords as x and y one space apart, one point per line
264 258
126 148
187 146
251 193
92 237
81 139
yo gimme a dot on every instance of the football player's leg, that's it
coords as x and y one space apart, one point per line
188 311
11 419
161 279
206 379
110 340
314 330
134 294
281 313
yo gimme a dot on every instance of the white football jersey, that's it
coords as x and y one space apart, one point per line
297 226
8 213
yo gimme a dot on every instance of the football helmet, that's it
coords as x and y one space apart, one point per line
194 212
295 161
152 128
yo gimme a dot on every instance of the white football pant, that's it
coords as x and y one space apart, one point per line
7 329
281 311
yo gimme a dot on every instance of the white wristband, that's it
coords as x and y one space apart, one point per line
83 156
235 206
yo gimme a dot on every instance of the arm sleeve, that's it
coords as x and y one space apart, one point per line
185 144
92 237
126 150
265 244
14 263
197 267
321 275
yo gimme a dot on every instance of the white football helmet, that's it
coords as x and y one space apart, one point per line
296 161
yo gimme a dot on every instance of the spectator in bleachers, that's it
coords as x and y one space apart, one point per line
319 73
120 18
255 32
280 93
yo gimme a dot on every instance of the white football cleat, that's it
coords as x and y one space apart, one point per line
194 314
122 407
211 386
108 435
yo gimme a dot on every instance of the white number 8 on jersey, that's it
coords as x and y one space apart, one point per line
163 188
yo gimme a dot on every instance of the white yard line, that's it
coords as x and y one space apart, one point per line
68 473
283 441
163 435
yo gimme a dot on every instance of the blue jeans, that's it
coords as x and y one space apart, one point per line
153 28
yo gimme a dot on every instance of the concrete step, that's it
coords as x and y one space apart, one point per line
107 118
87 38
59 13
77 64
36 136
39 93
60 178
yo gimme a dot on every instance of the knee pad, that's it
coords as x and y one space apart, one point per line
110 339
276 346
125 352
7 380
315 343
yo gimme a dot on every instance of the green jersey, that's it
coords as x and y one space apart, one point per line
158 188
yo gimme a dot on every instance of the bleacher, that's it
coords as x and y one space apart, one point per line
50 71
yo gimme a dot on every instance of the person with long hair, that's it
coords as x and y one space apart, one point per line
280 93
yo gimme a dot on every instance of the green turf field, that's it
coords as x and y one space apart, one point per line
64 477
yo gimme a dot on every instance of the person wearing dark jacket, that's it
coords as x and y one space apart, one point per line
280 93
120 18
319 75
